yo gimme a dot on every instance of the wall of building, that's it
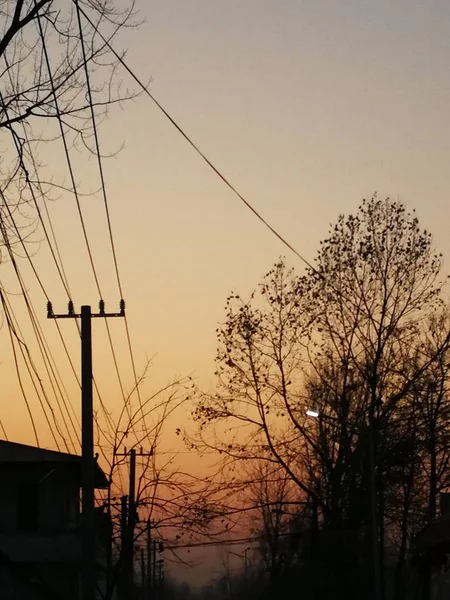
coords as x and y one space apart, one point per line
58 497
51 549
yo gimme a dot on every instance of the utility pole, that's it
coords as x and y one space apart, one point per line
155 592
160 578
162 584
88 580
129 562
123 519
143 574
123 544
246 562
149 559
129 524
373 489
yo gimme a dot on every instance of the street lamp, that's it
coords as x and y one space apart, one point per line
313 412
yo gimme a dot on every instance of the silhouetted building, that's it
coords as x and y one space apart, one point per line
40 541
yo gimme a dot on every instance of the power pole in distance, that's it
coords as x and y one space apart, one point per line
155 584
88 580
123 543
128 549
160 579
149 559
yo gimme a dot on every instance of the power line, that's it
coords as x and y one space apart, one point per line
4 431
78 204
106 205
97 148
42 343
48 359
14 336
202 155
60 267
217 171
233 542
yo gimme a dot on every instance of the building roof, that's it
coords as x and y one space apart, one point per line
14 453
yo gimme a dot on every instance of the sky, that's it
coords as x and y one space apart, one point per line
306 106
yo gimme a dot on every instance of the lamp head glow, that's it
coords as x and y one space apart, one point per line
312 412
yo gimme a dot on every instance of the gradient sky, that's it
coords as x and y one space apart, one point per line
307 106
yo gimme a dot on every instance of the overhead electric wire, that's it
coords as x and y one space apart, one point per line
211 165
16 364
25 249
60 269
59 266
40 343
35 322
15 335
215 169
78 204
231 542
47 356
106 205
4 431
108 418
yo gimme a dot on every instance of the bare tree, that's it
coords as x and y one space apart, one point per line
342 340
57 81
429 435
168 498
280 521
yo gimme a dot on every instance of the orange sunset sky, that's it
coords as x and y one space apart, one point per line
306 105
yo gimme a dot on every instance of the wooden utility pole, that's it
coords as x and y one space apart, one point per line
88 580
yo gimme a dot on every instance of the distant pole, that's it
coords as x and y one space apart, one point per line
160 578
128 542
155 586
123 519
149 559
123 545
109 555
131 519
377 566
88 537
143 579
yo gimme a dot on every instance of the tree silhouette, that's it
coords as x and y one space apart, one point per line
349 340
